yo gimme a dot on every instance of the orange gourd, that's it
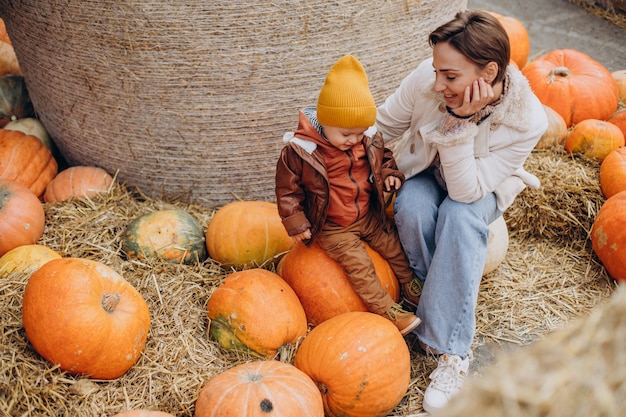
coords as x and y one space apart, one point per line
574 85
518 38
322 285
255 311
259 389
26 160
594 139
619 119
83 316
79 182
22 217
246 234
174 236
613 173
26 259
556 133
608 235
359 361
620 78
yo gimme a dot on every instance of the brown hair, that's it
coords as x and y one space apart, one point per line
479 36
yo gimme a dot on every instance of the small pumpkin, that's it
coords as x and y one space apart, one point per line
557 131
259 389
497 245
143 413
518 38
594 139
574 85
620 78
22 217
255 311
613 173
246 234
359 361
78 182
322 285
85 317
25 160
619 119
26 259
608 235
14 99
172 235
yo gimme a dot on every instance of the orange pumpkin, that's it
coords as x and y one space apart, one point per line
173 236
143 413
574 85
26 259
255 310
322 285
22 217
556 133
84 316
359 361
594 139
33 127
619 119
259 389
620 79
77 181
613 173
608 235
518 38
26 160
246 234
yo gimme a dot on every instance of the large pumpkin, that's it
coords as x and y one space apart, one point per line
173 235
322 285
594 139
518 38
608 235
22 217
79 182
613 173
26 160
255 310
14 99
84 316
557 130
26 259
260 389
359 361
246 233
574 85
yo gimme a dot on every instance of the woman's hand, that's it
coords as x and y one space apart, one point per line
475 98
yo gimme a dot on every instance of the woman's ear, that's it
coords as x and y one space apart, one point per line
490 72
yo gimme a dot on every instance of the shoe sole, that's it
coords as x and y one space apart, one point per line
410 327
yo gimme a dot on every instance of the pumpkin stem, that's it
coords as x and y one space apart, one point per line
558 72
110 301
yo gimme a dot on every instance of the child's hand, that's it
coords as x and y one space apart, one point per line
392 183
302 236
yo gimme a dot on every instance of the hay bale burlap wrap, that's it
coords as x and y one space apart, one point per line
191 99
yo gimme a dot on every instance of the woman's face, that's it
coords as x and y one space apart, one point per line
453 73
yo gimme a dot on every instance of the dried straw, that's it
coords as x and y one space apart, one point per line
546 280
193 98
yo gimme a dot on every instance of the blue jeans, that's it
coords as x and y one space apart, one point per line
446 244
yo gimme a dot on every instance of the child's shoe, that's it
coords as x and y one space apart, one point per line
404 321
411 292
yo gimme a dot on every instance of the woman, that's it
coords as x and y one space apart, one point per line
465 122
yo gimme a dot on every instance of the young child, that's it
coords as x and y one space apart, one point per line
330 184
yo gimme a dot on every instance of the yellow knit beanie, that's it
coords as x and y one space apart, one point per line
345 99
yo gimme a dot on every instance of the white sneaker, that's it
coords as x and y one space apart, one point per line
446 381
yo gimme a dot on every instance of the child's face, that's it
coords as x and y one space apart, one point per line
344 138
454 72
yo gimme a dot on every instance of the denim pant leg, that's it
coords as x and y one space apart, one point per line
446 242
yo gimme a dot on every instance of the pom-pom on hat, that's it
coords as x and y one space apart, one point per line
345 99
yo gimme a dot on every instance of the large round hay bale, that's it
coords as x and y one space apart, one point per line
192 98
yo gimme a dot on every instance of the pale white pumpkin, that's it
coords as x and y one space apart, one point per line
497 245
